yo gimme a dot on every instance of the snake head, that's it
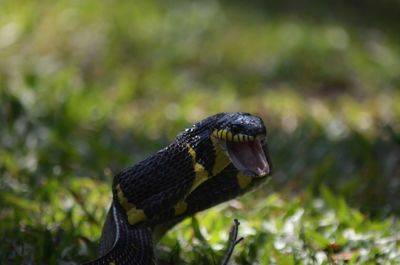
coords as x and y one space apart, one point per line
242 136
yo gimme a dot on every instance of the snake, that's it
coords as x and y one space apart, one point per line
215 160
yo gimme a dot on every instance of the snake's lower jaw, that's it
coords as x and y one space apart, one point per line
248 157
258 173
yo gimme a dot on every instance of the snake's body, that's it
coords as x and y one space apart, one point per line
211 162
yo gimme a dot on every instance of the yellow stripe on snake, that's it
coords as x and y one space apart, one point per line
215 160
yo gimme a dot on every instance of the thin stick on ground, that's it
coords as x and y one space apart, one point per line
233 241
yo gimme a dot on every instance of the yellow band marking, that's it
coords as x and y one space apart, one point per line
229 136
221 159
243 180
215 133
112 263
123 200
180 208
238 137
223 135
226 135
201 174
134 215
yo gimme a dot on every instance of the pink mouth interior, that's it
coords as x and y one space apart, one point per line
248 157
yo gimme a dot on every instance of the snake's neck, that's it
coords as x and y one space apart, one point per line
161 182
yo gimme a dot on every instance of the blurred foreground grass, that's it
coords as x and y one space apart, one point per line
88 88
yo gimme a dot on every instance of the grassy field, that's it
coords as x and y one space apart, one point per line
88 88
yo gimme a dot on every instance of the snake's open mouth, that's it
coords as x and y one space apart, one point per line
248 157
246 153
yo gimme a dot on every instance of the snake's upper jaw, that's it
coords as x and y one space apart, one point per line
249 157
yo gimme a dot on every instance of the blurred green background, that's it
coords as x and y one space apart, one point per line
88 88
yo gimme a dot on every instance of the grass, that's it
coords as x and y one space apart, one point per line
88 88
299 231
